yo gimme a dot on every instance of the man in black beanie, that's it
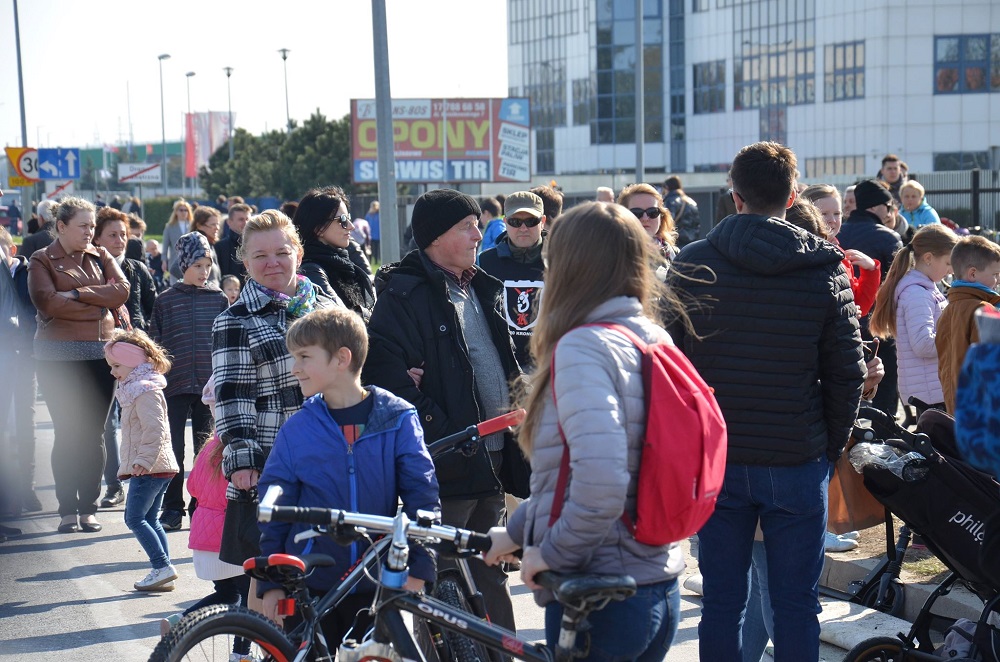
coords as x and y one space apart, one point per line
438 338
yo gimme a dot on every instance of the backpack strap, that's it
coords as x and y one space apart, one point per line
563 478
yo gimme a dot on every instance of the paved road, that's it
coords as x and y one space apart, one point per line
73 592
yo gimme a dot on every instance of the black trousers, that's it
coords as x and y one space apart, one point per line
78 394
179 409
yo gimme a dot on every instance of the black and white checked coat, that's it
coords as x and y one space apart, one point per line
254 389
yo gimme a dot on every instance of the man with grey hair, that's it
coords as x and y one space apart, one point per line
46 232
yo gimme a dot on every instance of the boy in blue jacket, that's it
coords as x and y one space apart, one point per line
350 447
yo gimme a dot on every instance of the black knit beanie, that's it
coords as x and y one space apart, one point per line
437 211
871 193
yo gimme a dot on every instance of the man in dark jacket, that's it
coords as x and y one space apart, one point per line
776 336
863 230
517 261
436 312
227 248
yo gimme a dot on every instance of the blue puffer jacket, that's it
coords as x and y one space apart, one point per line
314 465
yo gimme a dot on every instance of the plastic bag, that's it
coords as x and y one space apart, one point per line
910 466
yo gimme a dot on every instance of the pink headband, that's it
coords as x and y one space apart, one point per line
126 353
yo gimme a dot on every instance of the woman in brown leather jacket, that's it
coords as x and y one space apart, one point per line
74 286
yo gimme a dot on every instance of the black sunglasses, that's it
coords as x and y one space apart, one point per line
518 222
343 219
650 212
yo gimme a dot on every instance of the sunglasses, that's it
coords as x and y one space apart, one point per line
650 212
343 219
518 222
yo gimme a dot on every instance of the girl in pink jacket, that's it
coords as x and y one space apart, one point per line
207 485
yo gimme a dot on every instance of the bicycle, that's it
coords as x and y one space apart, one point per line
212 630
389 640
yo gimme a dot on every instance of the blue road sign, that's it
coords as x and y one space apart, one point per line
59 163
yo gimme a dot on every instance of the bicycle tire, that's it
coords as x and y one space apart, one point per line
461 648
211 632
877 649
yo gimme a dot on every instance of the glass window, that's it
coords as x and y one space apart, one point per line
966 64
709 87
962 160
844 67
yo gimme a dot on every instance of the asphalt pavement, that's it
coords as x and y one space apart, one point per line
73 592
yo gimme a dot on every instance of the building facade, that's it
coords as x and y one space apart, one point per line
842 82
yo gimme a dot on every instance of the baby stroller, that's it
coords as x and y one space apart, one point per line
948 503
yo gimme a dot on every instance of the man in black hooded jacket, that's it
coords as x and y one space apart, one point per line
776 336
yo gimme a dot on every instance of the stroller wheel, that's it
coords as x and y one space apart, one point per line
894 599
877 649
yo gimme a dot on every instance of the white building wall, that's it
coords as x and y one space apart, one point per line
899 113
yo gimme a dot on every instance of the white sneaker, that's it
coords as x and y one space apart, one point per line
835 543
156 578
850 535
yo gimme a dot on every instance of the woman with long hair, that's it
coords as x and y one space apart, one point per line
177 225
332 260
599 269
908 306
646 204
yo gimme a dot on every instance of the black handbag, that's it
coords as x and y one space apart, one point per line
240 533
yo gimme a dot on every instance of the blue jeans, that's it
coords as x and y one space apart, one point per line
640 628
142 507
790 503
112 429
758 626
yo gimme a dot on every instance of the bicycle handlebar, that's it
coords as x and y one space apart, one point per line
474 432
464 539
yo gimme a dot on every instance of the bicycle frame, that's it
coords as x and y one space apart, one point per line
390 628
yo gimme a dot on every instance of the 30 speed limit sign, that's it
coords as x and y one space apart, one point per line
24 162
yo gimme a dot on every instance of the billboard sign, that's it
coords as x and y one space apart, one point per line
446 140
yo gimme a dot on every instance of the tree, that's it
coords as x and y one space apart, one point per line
318 153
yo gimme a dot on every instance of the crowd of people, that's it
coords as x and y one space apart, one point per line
299 367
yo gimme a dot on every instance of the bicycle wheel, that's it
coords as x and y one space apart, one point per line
462 649
877 649
216 632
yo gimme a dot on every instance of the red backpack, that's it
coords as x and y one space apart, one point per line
683 453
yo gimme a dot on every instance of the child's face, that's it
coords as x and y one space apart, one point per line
939 267
312 367
197 273
910 197
119 371
990 276
232 290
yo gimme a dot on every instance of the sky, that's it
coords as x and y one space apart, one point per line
86 61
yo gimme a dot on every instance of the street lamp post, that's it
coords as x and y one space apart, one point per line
229 95
163 125
187 128
284 59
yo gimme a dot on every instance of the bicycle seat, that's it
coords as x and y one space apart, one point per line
282 567
579 588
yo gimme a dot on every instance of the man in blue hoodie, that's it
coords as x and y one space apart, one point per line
775 334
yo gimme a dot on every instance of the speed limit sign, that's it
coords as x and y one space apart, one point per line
24 162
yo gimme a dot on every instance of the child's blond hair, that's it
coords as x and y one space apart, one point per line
157 355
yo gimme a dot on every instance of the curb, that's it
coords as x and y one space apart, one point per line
838 573
846 624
